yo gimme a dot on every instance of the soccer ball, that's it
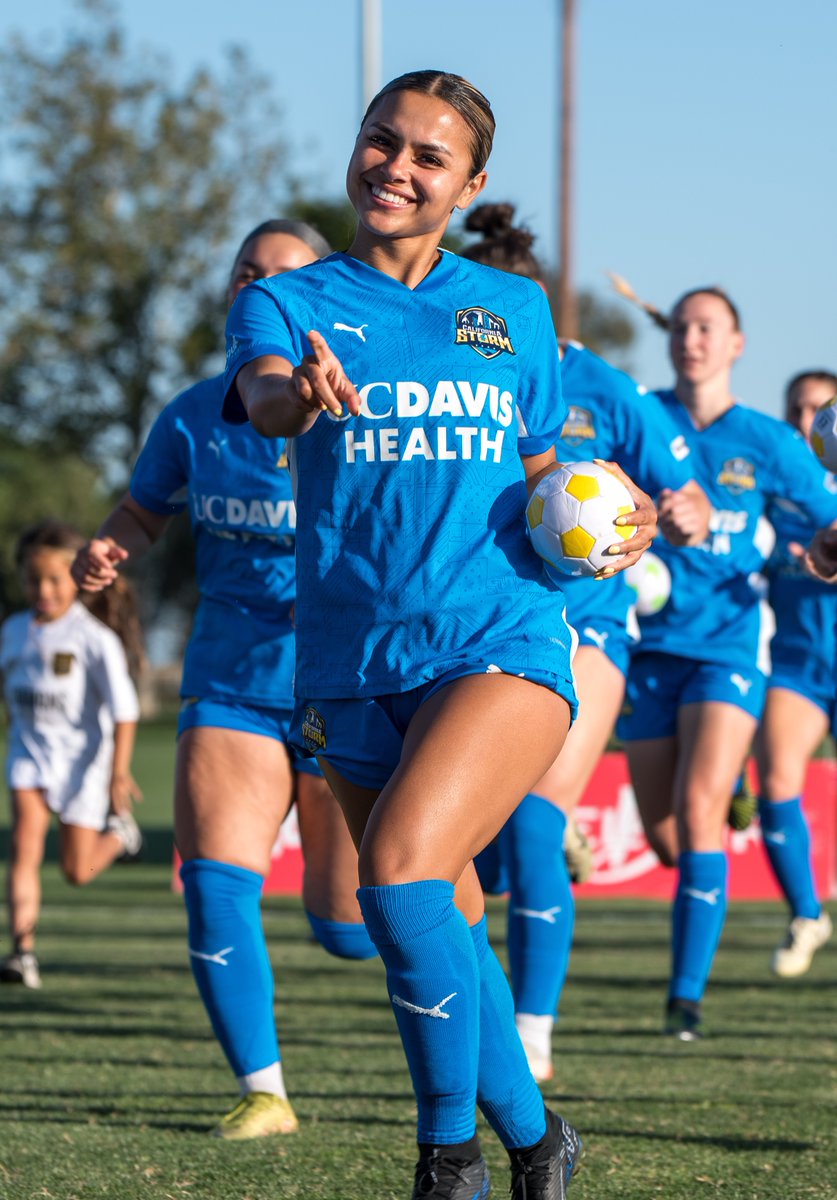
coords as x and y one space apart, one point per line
824 435
651 580
570 517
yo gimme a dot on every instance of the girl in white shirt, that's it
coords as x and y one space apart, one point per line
73 710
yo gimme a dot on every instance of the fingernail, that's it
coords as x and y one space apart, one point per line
614 549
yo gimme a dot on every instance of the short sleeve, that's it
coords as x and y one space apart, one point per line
541 409
256 326
800 478
656 454
160 477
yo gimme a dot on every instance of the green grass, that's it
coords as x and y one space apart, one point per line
111 1079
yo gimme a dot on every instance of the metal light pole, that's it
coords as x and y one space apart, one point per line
567 299
371 50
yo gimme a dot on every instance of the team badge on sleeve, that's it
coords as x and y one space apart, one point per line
313 730
738 475
483 331
579 426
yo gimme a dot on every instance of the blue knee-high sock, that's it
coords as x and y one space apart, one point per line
230 962
343 939
700 906
787 841
433 982
541 905
506 1092
491 870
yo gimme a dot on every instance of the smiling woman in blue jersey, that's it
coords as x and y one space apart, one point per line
420 393
236 775
696 688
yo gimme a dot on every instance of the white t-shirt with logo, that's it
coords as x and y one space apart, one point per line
66 683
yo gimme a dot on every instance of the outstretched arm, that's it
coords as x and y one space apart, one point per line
285 401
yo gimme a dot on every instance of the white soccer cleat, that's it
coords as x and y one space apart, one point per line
21 968
804 938
126 829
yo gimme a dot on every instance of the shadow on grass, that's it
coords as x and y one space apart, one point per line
721 1142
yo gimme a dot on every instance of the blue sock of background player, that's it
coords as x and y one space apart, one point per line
788 845
540 922
232 970
700 907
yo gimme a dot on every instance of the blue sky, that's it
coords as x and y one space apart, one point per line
706 136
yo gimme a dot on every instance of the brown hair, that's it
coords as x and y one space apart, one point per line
115 607
461 95
817 376
301 230
660 319
504 245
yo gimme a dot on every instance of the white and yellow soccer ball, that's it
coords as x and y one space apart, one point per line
651 580
570 517
824 435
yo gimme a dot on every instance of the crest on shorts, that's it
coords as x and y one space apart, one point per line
62 663
483 331
313 730
579 426
738 475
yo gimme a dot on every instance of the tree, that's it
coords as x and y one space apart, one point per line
121 194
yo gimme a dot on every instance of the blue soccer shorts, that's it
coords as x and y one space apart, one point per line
206 712
362 737
658 685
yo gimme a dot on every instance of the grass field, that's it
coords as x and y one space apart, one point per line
111 1079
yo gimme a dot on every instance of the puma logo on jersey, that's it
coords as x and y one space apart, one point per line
593 634
217 957
352 329
216 446
741 683
710 898
546 914
435 1011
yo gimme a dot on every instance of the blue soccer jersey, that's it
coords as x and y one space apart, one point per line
804 648
237 489
744 461
412 557
610 416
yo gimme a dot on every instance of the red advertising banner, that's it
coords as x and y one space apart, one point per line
625 865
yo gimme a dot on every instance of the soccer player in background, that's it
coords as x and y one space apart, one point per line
609 417
433 663
236 774
696 687
801 701
73 710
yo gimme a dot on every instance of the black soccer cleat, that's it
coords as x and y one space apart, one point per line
683 1020
544 1171
443 1174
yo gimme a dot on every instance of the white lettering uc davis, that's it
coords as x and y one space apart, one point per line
408 398
246 514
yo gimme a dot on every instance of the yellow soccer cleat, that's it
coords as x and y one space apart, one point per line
258 1114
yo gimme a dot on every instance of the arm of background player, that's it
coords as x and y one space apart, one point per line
684 514
128 532
123 787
